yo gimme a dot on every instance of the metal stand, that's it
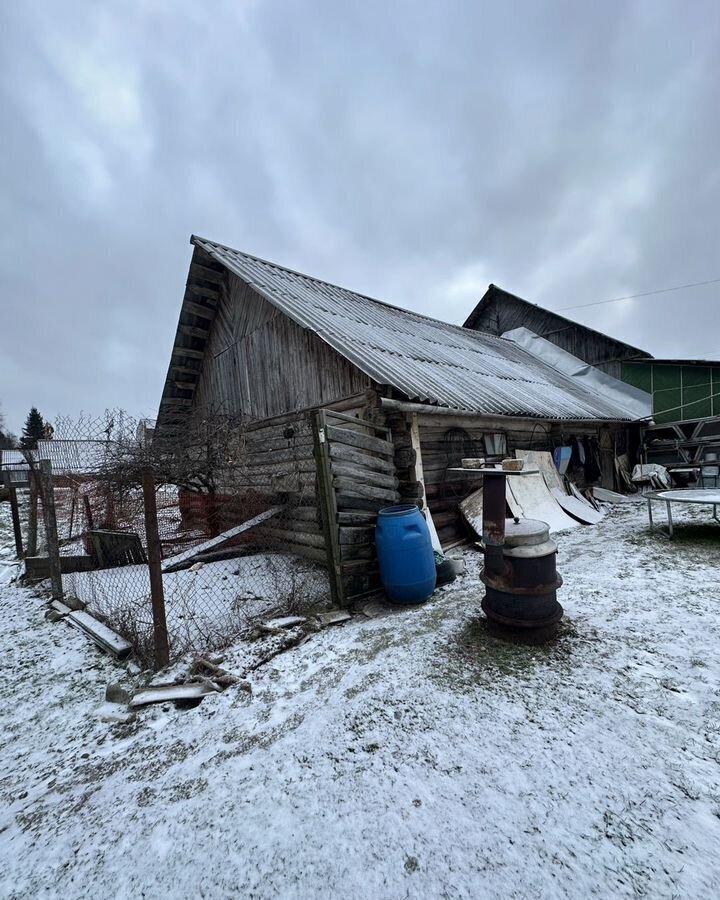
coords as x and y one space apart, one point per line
520 584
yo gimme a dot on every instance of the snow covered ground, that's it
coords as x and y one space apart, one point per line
207 606
406 755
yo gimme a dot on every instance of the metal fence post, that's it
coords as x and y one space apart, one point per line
51 532
160 635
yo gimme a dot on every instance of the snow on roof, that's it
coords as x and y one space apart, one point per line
13 458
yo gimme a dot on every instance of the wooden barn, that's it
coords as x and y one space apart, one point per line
500 311
352 404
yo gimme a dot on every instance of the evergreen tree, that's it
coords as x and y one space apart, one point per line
33 430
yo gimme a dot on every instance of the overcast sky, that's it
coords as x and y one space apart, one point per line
415 151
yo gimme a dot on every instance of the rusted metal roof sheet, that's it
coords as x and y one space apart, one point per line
426 360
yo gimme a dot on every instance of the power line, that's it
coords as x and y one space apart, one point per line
679 287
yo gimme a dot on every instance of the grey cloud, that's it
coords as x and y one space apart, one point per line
413 151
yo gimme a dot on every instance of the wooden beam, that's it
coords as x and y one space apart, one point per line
359 458
197 290
186 556
197 309
154 559
353 488
102 635
193 331
357 535
328 508
361 441
15 513
184 370
417 475
51 532
348 470
189 352
199 272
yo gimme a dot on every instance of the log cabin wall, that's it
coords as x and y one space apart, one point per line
271 464
260 364
446 440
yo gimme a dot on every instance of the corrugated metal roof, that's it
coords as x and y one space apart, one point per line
427 360
70 457
67 457
14 458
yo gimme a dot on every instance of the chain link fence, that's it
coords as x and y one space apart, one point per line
237 527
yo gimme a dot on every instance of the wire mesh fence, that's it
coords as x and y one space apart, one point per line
237 526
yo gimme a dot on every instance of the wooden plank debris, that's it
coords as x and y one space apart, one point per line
609 496
164 693
179 561
275 626
103 636
334 617
60 607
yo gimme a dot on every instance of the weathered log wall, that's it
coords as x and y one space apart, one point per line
357 477
445 440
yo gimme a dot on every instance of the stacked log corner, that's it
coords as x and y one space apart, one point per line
356 477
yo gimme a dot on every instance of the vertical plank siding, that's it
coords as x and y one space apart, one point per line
260 364
503 312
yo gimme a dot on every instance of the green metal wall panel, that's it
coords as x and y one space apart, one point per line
695 376
639 375
666 377
679 392
667 405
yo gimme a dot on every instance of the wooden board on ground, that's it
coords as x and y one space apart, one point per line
610 496
165 692
184 558
102 635
59 607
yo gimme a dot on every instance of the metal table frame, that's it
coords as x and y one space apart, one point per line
661 497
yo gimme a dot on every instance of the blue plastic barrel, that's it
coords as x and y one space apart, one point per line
405 554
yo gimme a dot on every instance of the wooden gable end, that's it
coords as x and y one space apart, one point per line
259 363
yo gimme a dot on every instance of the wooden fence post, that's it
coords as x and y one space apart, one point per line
51 532
160 635
32 516
15 513
328 508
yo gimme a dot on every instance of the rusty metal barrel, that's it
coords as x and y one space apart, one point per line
521 588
